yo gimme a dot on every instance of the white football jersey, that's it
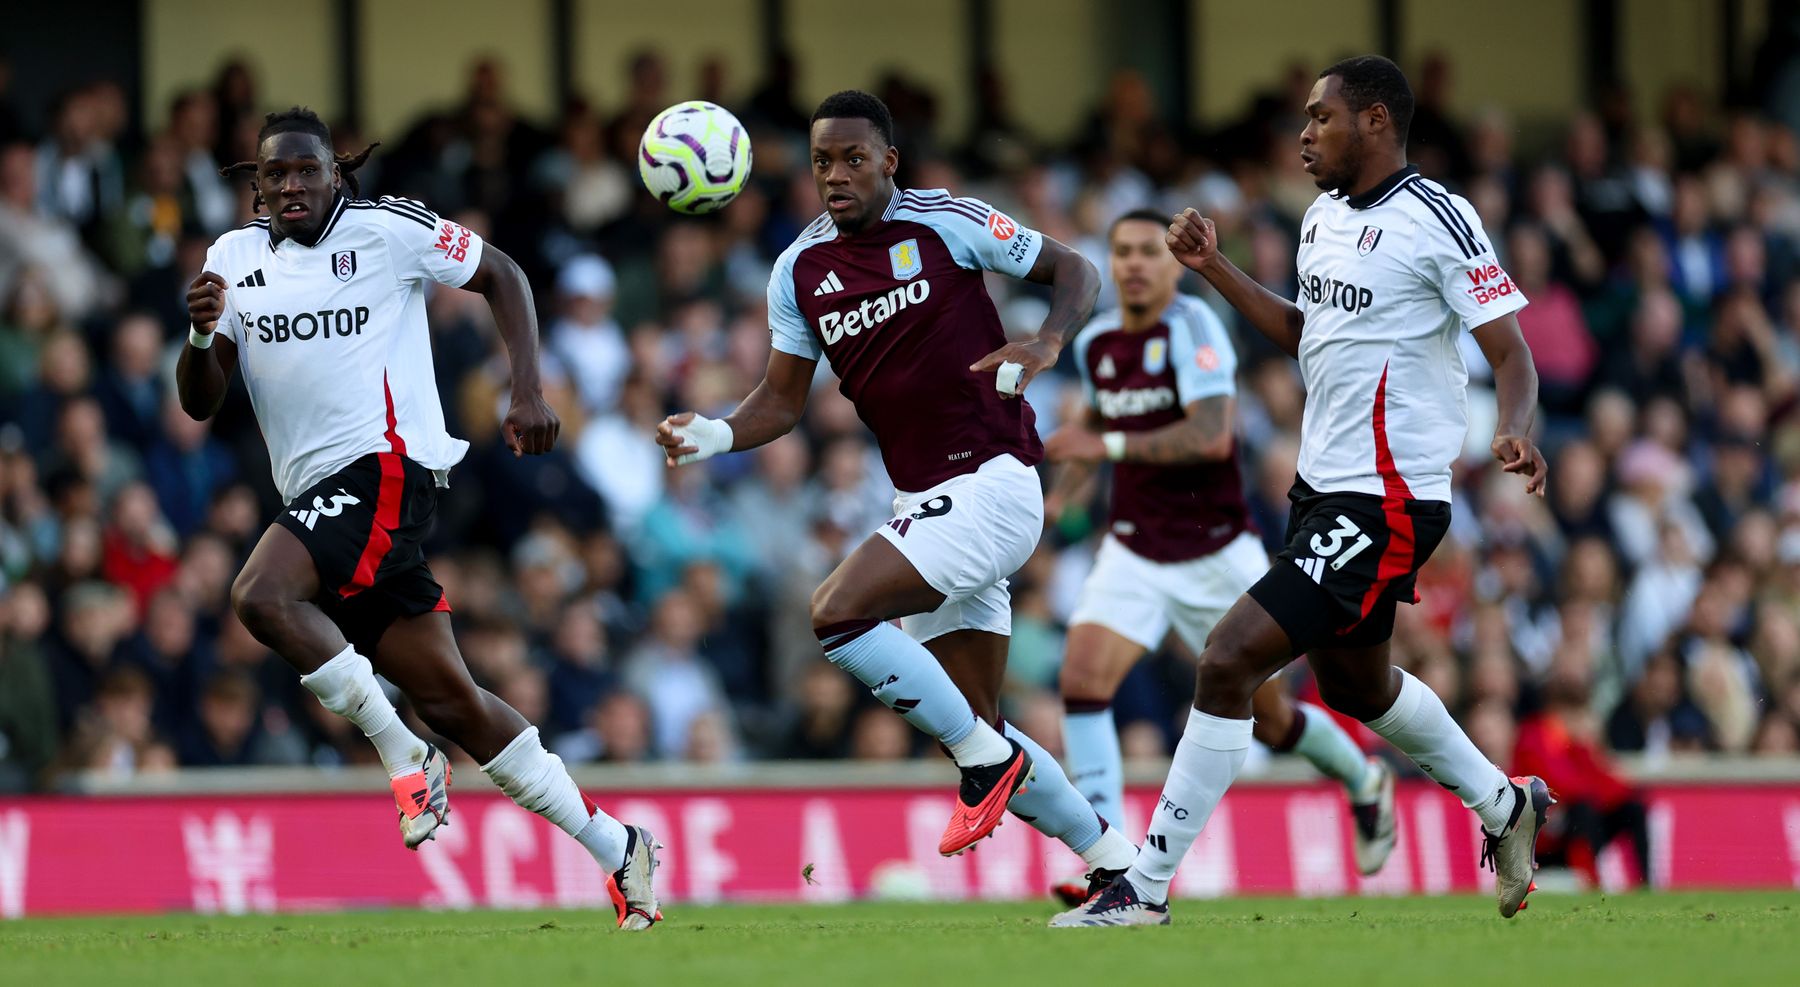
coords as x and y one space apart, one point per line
332 340
1389 279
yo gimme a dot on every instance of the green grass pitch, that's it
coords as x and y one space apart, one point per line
1621 941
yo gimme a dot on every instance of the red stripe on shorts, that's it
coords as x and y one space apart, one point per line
1397 558
387 518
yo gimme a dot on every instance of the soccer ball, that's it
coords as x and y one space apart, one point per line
695 157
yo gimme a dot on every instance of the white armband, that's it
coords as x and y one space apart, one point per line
200 340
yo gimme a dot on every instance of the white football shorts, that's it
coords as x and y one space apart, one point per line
1140 600
966 536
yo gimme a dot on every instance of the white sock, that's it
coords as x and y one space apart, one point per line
1112 851
1420 726
1331 750
1091 751
346 685
536 779
1207 760
982 746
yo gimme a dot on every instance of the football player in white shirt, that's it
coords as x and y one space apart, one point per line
1392 269
1160 373
322 307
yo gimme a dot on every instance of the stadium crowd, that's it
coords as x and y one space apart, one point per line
1650 604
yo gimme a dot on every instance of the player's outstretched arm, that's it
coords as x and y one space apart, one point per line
1074 284
770 412
1194 241
1515 391
531 426
204 371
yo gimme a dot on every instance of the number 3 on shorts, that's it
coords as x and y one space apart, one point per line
1346 528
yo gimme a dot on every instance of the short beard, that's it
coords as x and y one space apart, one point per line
1346 174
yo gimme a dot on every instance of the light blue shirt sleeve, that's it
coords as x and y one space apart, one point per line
787 328
979 236
1200 346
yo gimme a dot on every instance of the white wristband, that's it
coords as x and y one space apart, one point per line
200 340
1115 445
708 435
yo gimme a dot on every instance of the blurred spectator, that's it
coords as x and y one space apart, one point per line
586 339
1553 324
187 468
224 732
668 671
28 721
1562 746
139 549
79 175
580 673
617 731
194 126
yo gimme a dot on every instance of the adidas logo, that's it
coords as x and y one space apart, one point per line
255 280
1312 567
321 509
1159 841
1106 369
1310 230
830 285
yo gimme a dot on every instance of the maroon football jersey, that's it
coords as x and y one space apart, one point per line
1139 381
900 311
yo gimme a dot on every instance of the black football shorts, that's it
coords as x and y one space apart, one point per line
365 527
1350 559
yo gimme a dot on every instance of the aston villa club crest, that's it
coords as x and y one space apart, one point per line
905 260
343 264
1371 235
1156 355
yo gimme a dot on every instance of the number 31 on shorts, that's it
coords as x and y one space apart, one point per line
1325 547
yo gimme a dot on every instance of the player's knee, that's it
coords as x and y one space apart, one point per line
1080 680
1357 700
833 604
1224 679
256 603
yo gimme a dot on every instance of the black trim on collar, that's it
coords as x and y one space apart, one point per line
337 209
1382 189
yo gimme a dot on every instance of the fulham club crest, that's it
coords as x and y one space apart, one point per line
1371 236
343 264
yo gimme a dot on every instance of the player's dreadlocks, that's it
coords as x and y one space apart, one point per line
301 120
